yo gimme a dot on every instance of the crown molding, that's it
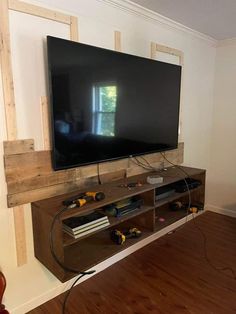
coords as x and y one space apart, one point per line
151 16
226 42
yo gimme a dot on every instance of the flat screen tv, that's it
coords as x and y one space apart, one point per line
107 105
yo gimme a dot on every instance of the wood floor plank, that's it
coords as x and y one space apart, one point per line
169 276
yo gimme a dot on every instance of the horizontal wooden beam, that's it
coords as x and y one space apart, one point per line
35 10
30 175
169 50
50 191
27 165
18 147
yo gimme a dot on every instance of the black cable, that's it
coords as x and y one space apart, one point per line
69 292
218 269
142 165
66 268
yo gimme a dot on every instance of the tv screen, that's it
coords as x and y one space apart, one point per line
107 105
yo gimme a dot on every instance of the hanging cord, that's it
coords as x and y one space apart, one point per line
146 166
186 183
69 292
66 268
218 269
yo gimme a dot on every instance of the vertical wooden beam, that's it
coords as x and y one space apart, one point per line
117 38
74 34
9 97
45 123
181 62
10 113
20 237
6 68
153 50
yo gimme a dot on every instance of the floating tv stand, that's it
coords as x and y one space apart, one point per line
86 252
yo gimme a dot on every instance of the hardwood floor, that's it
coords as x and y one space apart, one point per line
169 276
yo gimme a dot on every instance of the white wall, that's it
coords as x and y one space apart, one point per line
32 283
222 171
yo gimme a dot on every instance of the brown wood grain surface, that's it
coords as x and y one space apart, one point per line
30 175
169 276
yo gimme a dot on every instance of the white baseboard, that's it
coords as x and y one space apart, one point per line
48 295
223 211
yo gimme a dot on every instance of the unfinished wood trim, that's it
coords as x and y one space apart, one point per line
10 114
169 50
181 61
9 99
18 147
35 10
20 238
74 33
45 122
117 37
153 50
6 68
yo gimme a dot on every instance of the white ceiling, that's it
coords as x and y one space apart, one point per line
215 18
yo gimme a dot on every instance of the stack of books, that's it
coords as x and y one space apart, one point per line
80 226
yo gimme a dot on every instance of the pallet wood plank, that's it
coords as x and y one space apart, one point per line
18 146
37 182
35 179
50 191
35 10
27 165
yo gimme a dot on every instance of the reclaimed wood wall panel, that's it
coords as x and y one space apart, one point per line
30 175
18 146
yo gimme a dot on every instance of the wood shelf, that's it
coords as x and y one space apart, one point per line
97 248
169 216
85 252
176 196
114 221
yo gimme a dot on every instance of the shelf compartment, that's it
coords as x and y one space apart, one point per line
69 240
169 216
95 249
175 196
